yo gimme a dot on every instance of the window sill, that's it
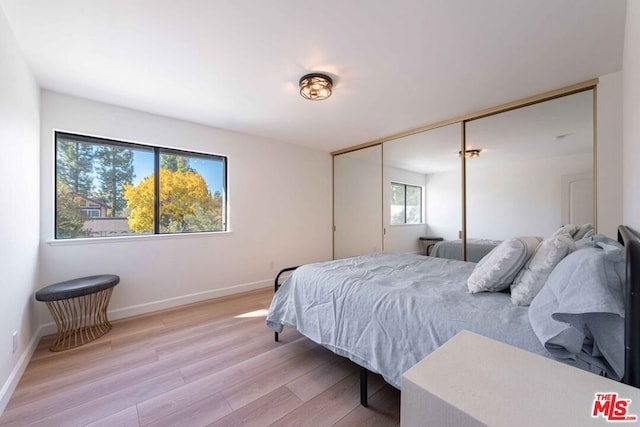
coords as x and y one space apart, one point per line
406 225
126 239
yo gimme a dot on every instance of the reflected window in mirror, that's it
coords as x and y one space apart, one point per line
406 204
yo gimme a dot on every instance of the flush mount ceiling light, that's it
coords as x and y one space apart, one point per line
470 153
315 86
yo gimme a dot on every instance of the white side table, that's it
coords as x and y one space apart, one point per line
475 381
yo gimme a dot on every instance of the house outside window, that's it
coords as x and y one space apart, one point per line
406 204
92 213
112 188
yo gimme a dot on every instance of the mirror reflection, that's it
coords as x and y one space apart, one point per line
528 172
422 191
534 171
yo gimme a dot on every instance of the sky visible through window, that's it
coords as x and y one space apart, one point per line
211 170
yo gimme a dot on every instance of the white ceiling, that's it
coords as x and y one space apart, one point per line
235 64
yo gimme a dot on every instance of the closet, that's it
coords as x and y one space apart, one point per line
524 168
357 202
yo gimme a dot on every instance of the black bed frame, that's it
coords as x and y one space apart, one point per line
631 240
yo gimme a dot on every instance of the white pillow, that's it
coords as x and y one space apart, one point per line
534 275
498 268
566 229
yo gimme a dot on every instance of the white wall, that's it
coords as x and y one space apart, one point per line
631 116
401 238
19 217
609 154
279 213
444 204
520 198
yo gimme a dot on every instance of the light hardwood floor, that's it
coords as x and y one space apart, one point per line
211 363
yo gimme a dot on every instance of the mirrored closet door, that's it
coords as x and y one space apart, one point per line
523 172
357 207
532 169
422 190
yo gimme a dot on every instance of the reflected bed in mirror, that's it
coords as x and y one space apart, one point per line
452 249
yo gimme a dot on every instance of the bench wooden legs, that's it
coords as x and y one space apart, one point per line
80 320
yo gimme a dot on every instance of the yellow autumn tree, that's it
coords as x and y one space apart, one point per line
186 204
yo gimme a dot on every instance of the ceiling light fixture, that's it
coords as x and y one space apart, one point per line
470 153
315 86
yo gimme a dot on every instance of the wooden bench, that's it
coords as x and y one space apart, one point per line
79 308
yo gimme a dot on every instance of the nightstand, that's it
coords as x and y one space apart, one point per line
474 381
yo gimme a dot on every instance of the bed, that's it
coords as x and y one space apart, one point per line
353 307
452 249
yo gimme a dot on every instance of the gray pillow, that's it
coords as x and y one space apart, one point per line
533 276
498 268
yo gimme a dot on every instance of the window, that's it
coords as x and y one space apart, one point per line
93 213
406 204
112 188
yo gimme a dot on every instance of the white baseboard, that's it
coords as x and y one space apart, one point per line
135 310
50 328
14 377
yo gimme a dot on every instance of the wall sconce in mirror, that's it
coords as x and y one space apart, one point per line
315 86
470 153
